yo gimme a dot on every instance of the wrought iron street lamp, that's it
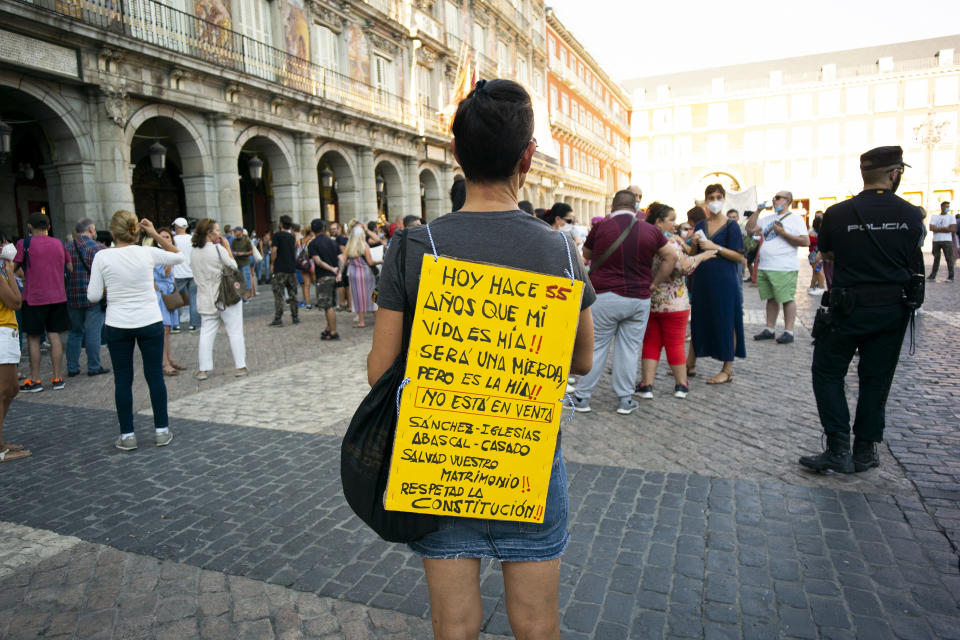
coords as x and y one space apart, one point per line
326 178
158 158
255 165
929 134
380 185
5 132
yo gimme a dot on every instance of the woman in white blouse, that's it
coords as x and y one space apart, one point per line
125 273
210 254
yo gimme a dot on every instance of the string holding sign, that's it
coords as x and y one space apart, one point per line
488 361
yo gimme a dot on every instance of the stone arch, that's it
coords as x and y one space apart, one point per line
190 142
391 172
65 175
279 184
433 195
345 194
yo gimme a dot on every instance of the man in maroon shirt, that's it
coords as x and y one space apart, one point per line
622 247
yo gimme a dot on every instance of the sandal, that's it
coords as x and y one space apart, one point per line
171 371
177 366
329 336
728 377
9 455
691 373
359 326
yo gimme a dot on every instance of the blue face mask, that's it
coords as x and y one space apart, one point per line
778 208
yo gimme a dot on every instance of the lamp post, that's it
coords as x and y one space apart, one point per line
929 134
326 183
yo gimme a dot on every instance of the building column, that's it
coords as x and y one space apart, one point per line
413 186
110 174
228 179
446 181
309 180
366 185
72 190
200 193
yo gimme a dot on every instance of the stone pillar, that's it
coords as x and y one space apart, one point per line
72 190
111 173
225 153
413 186
200 193
309 180
446 181
366 186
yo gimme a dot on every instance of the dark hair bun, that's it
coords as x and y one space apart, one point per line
492 128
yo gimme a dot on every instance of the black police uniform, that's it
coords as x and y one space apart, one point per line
871 316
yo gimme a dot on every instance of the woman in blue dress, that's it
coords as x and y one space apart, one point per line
716 308
163 283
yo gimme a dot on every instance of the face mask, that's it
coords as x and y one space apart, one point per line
636 206
715 206
778 208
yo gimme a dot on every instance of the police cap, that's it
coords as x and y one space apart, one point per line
882 157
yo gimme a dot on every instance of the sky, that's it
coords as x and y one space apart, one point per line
635 38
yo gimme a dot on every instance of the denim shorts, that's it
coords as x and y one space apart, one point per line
504 540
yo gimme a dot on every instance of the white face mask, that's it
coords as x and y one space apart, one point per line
715 206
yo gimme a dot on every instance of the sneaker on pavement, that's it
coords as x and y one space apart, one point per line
201 375
98 372
241 373
766 334
194 329
645 391
163 439
277 322
71 374
627 406
681 391
174 330
31 386
785 338
581 405
57 383
296 320
128 443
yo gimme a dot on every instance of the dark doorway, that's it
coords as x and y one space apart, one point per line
159 198
256 202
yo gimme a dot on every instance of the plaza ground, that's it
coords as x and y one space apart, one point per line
689 518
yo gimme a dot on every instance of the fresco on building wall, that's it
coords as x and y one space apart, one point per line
296 29
213 32
358 53
296 32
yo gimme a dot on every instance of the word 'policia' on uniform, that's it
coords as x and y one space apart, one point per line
874 241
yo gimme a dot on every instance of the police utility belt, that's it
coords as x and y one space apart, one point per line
845 300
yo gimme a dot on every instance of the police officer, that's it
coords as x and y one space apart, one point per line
874 242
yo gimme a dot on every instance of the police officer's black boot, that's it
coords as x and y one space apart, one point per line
865 455
836 457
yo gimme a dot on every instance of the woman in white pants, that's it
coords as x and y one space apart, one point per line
210 254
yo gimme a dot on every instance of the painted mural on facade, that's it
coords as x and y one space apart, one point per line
214 30
358 53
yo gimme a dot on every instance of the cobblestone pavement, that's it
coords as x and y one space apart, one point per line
689 518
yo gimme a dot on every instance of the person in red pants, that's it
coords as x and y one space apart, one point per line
669 309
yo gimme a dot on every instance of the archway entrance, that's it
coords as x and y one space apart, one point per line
389 191
44 155
163 152
158 194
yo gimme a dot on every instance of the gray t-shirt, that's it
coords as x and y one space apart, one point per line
507 238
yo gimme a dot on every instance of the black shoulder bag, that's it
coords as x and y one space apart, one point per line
368 444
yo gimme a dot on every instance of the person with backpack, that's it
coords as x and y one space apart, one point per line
43 259
86 318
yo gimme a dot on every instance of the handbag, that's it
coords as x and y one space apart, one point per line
173 301
303 261
367 446
232 286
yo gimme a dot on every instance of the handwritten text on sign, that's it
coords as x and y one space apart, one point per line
488 361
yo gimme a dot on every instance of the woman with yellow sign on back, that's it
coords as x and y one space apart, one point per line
494 145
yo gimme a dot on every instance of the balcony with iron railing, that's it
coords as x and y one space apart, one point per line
572 126
389 7
168 28
427 24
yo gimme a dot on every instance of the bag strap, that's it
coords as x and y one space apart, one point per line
613 247
26 255
407 311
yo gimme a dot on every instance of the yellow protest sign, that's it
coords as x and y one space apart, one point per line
488 361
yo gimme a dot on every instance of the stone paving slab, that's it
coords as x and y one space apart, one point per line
94 591
20 546
652 554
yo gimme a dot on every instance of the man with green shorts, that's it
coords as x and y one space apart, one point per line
783 232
